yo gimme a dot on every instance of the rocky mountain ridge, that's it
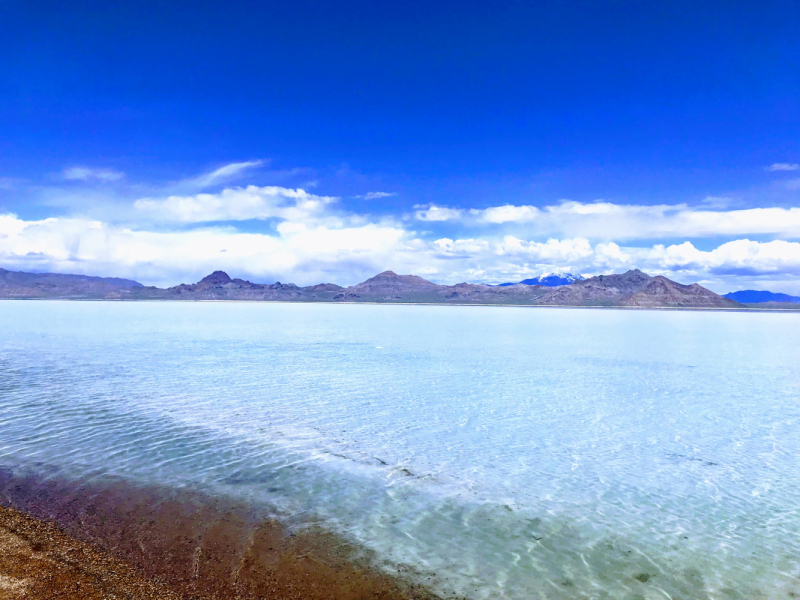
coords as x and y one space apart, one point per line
631 289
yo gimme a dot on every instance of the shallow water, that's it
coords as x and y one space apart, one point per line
498 452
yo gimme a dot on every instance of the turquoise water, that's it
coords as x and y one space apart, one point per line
497 452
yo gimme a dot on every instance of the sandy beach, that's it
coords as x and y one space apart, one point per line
61 540
38 561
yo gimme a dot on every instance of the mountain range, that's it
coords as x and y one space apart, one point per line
631 289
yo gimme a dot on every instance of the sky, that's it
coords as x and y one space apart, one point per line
313 142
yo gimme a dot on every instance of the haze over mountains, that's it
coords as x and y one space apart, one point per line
46 285
762 297
631 289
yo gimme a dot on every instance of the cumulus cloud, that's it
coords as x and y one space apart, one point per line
605 220
512 254
507 214
176 235
304 252
89 174
731 258
308 252
783 167
236 204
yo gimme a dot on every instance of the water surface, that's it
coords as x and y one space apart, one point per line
497 452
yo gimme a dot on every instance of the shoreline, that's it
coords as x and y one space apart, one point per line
746 309
171 543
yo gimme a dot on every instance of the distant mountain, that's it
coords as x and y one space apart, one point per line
548 280
635 289
16 284
757 297
390 282
631 289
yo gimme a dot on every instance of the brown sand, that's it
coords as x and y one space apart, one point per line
39 562
153 543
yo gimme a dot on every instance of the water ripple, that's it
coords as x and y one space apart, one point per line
500 453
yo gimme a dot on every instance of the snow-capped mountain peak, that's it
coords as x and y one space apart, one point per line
550 279
553 279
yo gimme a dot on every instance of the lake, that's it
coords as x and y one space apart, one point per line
496 452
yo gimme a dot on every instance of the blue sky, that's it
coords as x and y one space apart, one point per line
311 141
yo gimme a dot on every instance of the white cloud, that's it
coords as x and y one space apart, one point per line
736 257
88 174
437 213
510 257
346 252
376 195
223 174
236 204
304 253
507 214
149 240
783 167
605 220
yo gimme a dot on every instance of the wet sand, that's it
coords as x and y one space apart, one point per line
112 540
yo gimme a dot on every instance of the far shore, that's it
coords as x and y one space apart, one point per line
745 309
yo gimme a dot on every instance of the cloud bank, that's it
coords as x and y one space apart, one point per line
346 253
302 252
269 233
604 220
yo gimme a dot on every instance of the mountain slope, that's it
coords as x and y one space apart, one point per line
390 283
391 287
603 290
660 292
635 289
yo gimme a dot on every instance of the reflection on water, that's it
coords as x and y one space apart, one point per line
500 452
